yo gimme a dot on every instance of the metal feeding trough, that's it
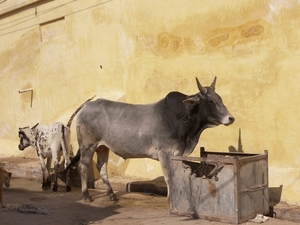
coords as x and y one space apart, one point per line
226 187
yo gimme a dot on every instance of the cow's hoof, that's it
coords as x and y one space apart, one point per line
45 186
54 189
88 199
68 188
113 197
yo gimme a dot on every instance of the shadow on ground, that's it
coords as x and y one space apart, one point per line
64 207
157 186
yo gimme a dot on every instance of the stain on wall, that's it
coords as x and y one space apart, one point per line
242 34
170 45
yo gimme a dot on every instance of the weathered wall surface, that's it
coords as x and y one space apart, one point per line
138 51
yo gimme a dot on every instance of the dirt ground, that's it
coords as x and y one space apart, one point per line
69 208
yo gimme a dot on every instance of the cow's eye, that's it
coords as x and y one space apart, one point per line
211 102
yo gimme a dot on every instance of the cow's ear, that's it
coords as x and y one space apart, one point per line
34 126
192 100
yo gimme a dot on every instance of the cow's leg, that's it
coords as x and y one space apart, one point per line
65 143
1 199
84 162
45 173
48 177
164 160
67 162
56 169
102 159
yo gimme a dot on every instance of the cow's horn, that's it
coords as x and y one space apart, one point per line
213 84
34 126
201 89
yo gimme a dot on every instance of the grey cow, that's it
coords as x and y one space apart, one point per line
169 127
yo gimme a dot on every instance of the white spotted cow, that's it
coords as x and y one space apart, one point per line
50 142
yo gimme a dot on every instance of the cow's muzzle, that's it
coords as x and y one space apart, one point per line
21 148
229 120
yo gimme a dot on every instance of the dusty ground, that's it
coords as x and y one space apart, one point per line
69 208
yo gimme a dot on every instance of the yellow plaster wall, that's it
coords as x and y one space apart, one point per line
138 51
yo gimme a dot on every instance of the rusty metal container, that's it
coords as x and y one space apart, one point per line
218 186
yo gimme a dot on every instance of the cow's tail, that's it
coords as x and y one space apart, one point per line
77 110
73 162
